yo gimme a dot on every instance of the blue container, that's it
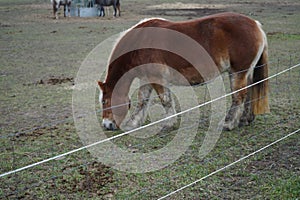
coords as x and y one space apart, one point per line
84 12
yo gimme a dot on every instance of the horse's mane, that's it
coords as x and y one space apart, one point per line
146 20
134 26
123 33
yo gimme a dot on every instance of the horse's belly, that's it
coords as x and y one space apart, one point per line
185 77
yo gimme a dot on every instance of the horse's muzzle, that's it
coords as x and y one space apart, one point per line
109 125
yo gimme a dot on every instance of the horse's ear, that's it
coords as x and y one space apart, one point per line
101 85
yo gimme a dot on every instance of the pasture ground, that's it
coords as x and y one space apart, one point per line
39 60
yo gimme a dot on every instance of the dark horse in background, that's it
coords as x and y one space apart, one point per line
236 44
56 5
114 3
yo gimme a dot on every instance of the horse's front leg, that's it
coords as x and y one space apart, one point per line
55 11
237 81
115 10
138 116
168 104
102 12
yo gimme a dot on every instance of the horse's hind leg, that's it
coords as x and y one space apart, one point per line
115 10
248 115
138 116
55 10
69 9
237 81
168 104
118 7
65 10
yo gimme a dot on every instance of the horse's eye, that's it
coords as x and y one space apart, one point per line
104 102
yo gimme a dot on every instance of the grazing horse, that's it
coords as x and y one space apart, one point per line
235 43
114 3
56 5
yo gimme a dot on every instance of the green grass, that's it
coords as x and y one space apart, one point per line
288 188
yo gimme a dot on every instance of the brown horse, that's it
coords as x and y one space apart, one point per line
234 42
114 3
56 5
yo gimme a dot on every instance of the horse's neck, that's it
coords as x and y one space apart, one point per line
119 82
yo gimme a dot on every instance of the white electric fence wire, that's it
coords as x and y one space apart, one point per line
229 165
142 127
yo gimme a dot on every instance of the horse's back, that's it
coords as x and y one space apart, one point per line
231 27
221 35
231 40
224 21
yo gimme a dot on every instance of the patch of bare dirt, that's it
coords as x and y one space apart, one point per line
54 80
194 12
5 25
186 9
180 5
92 179
36 133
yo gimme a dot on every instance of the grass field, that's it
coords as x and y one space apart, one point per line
39 60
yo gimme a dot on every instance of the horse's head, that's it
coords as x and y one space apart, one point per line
114 106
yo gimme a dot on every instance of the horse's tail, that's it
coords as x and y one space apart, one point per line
260 101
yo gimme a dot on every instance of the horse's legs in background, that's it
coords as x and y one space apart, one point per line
115 10
118 7
168 104
69 8
65 7
138 116
248 115
237 81
102 12
55 9
67 4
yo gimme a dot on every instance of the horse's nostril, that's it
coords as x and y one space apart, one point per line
106 126
111 126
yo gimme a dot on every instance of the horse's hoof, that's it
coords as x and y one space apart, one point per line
244 123
251 118
228 127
